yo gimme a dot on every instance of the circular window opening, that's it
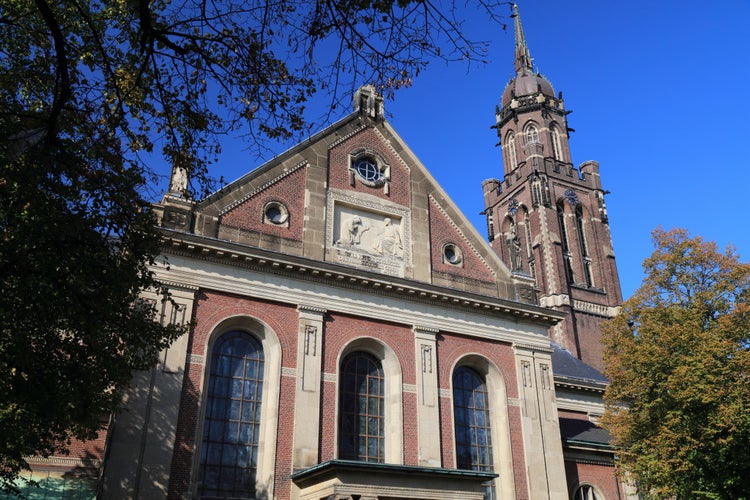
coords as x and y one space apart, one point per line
368 170
276 213
452 254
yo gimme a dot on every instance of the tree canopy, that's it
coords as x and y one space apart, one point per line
678 361
90 92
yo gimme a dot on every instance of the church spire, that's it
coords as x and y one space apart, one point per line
523 58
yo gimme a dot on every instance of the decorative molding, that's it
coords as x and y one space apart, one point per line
424 329
445 393
288 372
514 402
234 269
311 309
196 359
262 187
329 377
410 388
347 136
597 309
76 463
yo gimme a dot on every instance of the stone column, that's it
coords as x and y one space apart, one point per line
307 395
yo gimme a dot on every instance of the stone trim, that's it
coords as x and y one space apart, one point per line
346 137
288 372
64 462
196 359
262 187
597 309
410 388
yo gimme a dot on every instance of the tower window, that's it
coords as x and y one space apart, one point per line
585 258
564 241
510 148
556 143
532 134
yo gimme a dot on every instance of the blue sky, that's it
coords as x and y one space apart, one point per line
659 98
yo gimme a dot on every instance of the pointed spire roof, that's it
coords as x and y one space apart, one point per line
523 57
525 82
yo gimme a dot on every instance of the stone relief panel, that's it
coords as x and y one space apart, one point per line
368 233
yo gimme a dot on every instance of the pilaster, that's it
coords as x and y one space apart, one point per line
307 394
428 415
545 468
142 439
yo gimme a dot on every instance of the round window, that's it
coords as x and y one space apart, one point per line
275 213
368 170
452 254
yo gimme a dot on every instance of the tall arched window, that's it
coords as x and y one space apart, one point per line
362 408
471 415
556 142
564 241
532 134
229 453
510 147
585 258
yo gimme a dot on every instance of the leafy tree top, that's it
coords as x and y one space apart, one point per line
678 361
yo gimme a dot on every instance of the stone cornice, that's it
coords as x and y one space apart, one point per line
236 255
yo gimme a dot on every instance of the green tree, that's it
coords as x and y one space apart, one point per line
91 90
678 361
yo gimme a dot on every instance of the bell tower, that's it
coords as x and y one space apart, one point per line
547 218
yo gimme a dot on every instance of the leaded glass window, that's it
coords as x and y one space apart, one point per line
229 454
471 415
362 409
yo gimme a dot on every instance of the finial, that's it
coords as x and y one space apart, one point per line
523 58
368 102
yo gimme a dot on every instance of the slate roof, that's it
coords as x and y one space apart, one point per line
571 370
583 432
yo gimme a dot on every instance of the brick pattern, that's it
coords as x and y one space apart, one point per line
443 231
290 191
338 171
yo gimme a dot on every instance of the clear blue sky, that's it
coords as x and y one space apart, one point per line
659 96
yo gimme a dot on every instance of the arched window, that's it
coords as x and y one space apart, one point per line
564 240
585 258
471 415
229 454
532 134
587 492
556 142
362 408
510 147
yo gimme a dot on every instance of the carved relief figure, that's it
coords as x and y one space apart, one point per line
389 242
351 233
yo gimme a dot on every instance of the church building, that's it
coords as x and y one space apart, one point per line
354 337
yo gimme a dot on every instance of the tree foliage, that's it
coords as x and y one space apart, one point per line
678 361
90 91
